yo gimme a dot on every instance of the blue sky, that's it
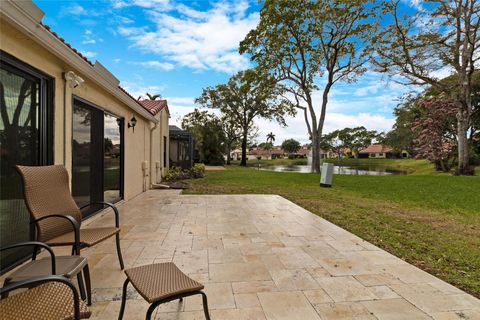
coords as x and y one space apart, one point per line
176 48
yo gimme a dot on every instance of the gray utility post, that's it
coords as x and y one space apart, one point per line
327 175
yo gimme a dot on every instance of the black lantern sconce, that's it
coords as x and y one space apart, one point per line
132 123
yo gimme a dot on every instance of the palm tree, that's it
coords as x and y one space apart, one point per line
153 96
270 137
270 140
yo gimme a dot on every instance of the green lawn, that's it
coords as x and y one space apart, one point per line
430 220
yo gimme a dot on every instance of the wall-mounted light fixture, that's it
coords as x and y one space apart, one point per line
132 123
73 79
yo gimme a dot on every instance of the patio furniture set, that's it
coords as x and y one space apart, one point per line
51 293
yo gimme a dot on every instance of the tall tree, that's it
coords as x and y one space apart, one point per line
291 145
232 133
245 97
401 137
332 142
206 129
356 138
153 96
441 36
297 42
435 132
270 137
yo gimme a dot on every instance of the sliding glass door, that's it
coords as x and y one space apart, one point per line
25 139
97 156
112 158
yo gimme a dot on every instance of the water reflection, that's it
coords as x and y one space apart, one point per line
371 170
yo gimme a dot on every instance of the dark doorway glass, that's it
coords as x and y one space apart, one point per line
97 156
82 154
24 126
112 158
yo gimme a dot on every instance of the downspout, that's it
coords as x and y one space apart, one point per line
153 184
64 120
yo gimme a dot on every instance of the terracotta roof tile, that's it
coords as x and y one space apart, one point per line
376 148
154 106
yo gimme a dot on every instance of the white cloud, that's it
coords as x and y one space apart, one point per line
157 4
187 101
157 65
206 40
89 41
117 60
138 89
74 9
88 54
90 38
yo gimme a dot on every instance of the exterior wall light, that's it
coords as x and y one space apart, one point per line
132 123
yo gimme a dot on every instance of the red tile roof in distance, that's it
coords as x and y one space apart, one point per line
154 106
376 148
90 63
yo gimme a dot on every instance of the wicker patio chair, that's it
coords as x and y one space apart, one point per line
66 266
159 283
49 298
55 213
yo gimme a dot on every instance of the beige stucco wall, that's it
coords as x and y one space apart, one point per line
137 144
157 168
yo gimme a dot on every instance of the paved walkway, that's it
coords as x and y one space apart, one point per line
263 257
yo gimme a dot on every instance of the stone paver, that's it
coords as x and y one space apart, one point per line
262 257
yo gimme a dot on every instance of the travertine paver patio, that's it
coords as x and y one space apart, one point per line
263 257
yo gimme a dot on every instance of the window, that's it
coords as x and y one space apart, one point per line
26 139
164 151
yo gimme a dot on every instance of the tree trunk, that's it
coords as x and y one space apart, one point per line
228 154
243 162
463 159
315 152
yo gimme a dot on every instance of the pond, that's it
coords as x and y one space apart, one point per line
352 169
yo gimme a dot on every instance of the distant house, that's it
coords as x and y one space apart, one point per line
259 153
236 154
181 148
377 151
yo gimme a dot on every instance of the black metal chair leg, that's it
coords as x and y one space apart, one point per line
205 305
119 252
5 294
86 276
151 309
124 299
81 287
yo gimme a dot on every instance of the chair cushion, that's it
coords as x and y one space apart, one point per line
156 282
67 266
88 236
49 301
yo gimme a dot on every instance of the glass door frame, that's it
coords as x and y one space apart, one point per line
45 150
46 112
99 167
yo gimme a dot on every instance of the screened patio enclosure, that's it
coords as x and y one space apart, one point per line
181 148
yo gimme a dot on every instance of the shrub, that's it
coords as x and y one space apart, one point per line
198 171
177 173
